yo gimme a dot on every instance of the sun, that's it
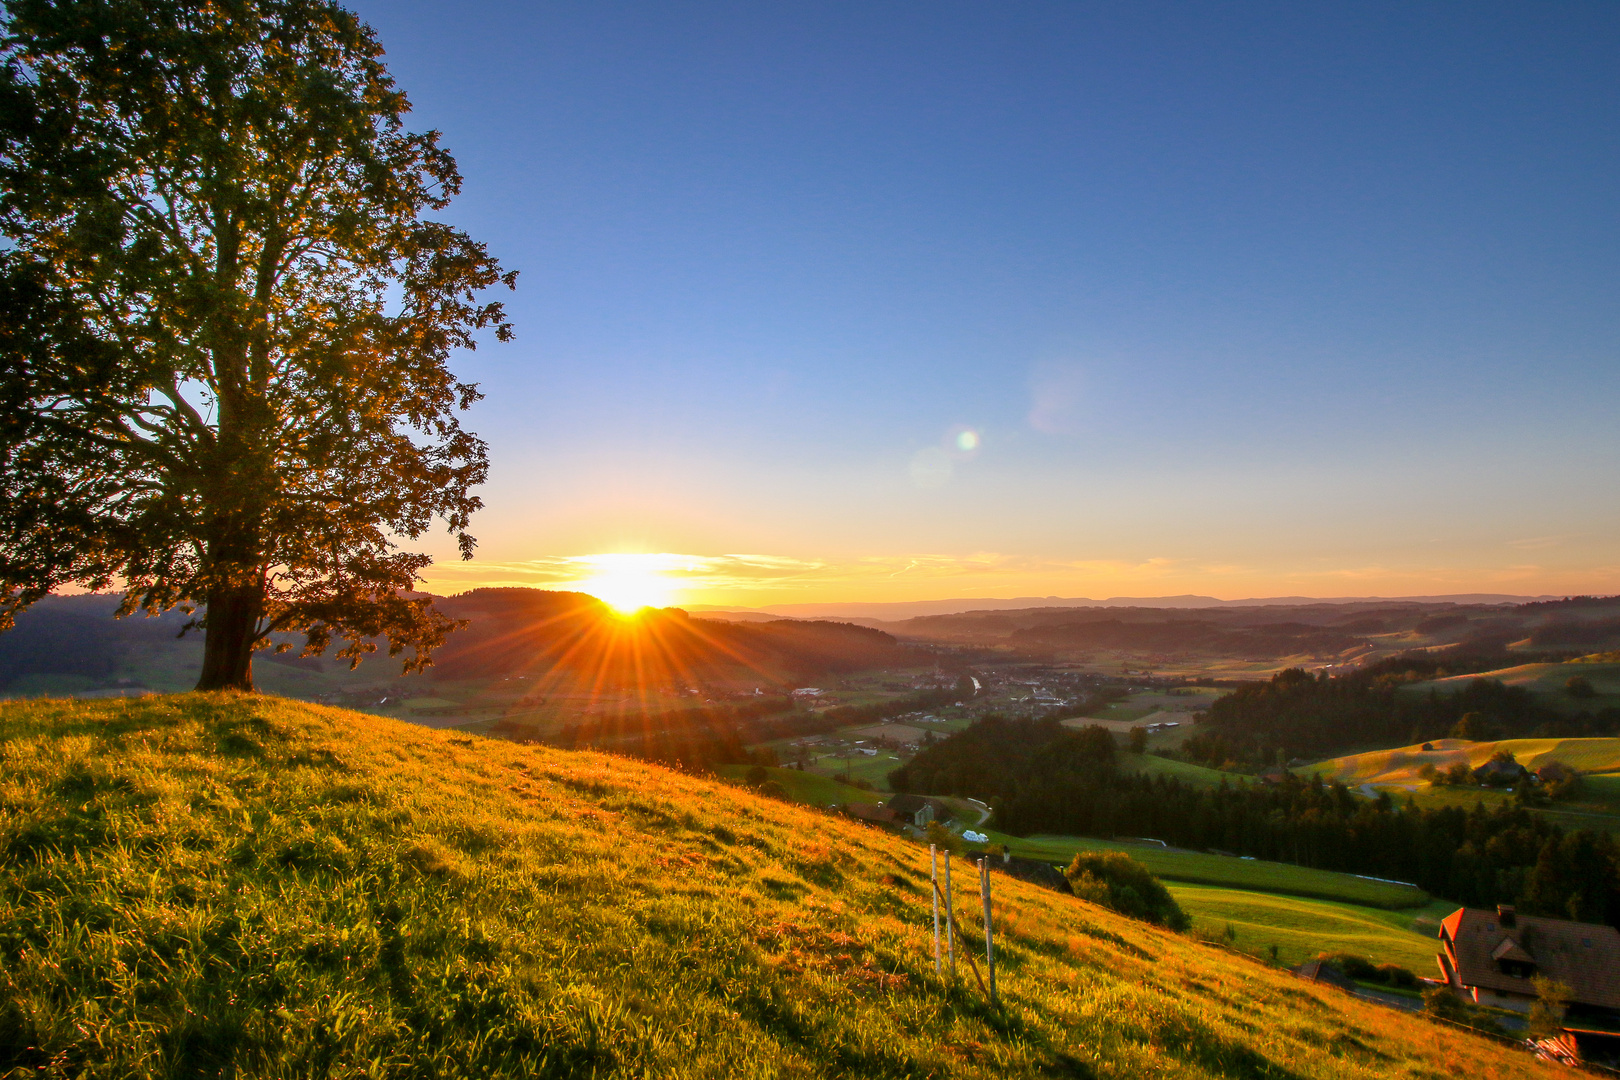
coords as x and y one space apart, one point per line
628 582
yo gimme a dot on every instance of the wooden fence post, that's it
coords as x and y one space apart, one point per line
950 920
933 877
989 935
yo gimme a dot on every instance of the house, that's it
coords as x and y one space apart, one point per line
1500 772
1492 956
915 809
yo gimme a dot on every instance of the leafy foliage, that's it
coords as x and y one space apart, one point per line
1120 883
1297 714
226 323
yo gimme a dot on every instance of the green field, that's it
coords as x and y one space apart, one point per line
235 885
807 787
1301 928
874 770
1403 765
1545 681
1185 771
1224 870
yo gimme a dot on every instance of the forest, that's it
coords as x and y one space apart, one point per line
1296 714
1041 777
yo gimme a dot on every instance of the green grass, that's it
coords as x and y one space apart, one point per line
1185 771
1302 928
874 770
1224 870
1545 681
807 787
1122 710
1402 765
220 885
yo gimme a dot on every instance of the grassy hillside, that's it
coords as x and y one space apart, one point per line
1185 771
223 885
1227 870
807 787
1401 765
1302 928
1545 681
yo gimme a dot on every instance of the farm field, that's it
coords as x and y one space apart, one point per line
806 787
1301 928
1546 681
1401 766
874 770
1185 771
1197 868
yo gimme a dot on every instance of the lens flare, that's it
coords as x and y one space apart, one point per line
967 441
628 582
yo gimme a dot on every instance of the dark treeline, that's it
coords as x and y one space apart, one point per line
1297 714
1042 777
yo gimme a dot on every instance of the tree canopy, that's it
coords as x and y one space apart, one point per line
225 320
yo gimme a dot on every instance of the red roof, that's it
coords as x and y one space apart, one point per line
1583 956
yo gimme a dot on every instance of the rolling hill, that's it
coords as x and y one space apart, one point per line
1401 765
247 886
1547 682
73 644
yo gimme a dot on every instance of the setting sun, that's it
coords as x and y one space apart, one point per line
628 582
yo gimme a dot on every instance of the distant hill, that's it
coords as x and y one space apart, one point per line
1401 766
909 609
72 644
244 886
534 631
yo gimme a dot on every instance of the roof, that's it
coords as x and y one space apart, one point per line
907 804
1583 956
872 812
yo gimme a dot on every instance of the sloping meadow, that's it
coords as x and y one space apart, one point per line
246 886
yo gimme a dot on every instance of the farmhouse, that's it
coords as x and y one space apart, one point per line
915 809
1492 956
1496 771
877 815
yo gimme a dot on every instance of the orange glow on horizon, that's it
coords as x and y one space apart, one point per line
627 582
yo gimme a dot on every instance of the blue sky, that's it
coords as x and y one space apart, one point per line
1239 299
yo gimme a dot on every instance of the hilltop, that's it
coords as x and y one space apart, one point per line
1402 766
251 886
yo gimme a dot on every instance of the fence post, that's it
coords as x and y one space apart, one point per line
989 935
950 918
933 878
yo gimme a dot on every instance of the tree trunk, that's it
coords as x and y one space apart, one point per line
232 621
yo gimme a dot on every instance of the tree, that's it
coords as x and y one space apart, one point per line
1116 881
1138 740
1471 727
1547 1014
941 837
1580 687
226 322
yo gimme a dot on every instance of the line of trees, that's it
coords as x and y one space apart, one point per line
1298 714
1043 778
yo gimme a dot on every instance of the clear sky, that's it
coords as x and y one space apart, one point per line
889 301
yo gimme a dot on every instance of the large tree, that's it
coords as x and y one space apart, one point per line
225 322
